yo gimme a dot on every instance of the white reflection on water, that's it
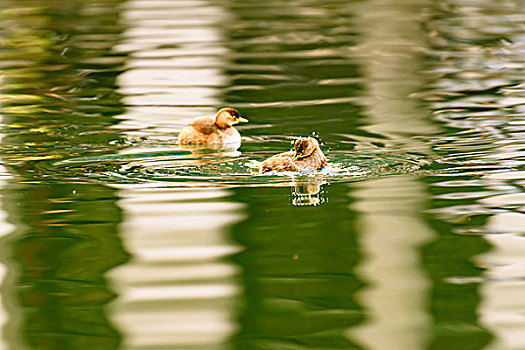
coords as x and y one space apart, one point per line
173 70
392 39
391 227
503 306
392 231
177 291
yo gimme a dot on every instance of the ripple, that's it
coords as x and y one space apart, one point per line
229 168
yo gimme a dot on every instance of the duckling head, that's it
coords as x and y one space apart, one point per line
227 117
305 147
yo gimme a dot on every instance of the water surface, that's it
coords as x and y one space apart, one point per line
113 237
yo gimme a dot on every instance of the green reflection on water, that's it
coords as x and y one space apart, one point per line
450 262
65 240
63 59
298 264
58 98
298 271
309 80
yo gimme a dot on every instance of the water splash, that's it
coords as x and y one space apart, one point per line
227 167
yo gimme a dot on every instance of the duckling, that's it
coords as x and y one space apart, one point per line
306 156
218 129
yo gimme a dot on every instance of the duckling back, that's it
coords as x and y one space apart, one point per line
279 162
203 130
307 156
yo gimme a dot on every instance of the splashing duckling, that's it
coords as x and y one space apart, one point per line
306 156
217 129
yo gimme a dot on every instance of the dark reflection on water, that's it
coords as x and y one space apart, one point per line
450 264
58 98
298 272
290 72
290 67
65 240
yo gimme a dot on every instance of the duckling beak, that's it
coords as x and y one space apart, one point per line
241 120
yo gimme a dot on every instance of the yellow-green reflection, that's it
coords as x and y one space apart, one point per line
57 93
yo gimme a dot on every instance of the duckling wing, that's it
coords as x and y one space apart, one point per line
279 162
205 125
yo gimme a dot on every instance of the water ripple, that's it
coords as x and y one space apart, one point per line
192 169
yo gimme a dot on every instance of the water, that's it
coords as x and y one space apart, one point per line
113 237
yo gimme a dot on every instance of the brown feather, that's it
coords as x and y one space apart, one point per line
205 125
211 130
314 159
279 162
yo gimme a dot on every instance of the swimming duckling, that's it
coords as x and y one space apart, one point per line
218 129
306 156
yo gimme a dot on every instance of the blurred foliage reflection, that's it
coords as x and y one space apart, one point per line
58 97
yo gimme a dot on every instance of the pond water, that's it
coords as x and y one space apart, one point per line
113 237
